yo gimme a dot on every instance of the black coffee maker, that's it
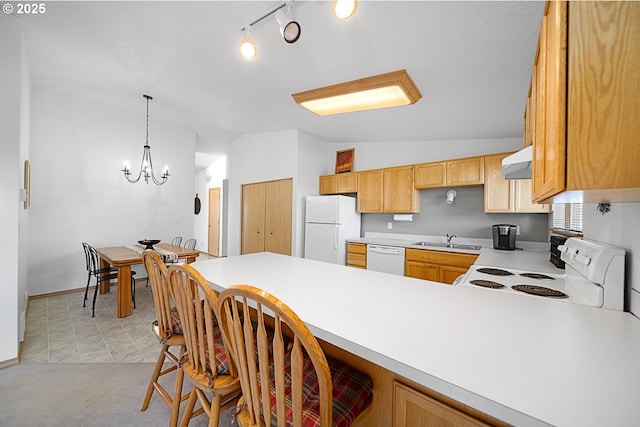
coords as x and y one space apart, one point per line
504 236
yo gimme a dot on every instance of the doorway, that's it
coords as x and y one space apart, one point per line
214 222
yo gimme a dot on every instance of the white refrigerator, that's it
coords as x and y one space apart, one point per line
329 222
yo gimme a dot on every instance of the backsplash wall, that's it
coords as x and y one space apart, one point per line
465 218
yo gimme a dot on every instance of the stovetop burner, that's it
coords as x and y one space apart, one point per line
487 284
540 291
495 271
537 276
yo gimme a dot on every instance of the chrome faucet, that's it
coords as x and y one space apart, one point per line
450 237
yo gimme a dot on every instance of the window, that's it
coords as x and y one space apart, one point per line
567 216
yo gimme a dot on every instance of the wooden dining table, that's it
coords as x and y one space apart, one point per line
123 258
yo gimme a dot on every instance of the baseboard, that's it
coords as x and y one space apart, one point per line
74 290
10 362
65 292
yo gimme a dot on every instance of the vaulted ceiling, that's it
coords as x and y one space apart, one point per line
471 61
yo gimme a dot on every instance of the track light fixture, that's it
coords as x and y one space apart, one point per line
289 29
247 47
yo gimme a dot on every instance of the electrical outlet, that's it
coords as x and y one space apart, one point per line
389 225
517 230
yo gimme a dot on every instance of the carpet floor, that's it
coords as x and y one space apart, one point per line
89 395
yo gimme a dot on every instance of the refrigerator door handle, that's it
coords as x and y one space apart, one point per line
335 238
336 211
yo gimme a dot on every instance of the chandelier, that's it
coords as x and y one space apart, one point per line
146 166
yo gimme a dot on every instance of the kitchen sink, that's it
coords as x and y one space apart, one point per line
448 245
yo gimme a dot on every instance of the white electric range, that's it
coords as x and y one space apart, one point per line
594 276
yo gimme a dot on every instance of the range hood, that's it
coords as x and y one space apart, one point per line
518 165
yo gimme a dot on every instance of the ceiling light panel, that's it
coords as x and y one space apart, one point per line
381 91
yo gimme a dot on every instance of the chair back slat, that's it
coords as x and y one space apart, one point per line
196 304
296 381
249 349
263 361
279 363
94 265
159 280
255 322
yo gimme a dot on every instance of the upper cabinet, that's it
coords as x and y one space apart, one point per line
431 175
507 196
468 171
582 111
388 190
400 194
344 183
452 173
370 191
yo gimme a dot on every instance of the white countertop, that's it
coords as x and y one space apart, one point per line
527 361
533 257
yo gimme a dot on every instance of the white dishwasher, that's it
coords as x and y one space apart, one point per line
387 259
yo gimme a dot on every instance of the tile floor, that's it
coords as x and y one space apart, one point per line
60 330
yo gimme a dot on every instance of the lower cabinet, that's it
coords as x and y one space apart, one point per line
436 266
412 408
357 255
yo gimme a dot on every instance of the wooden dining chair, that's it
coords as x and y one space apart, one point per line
168 330
107 274
284 374
206 362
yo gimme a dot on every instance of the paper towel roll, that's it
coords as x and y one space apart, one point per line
402 217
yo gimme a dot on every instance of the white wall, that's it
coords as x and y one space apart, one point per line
78 146
256 158
618 227
311 164
25 132
270 156
211 177
10 182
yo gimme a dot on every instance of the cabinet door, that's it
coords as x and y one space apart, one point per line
412 408
449 273
399 192
328 184
253 218
422 270
347 183
523 196
357 255
370 191
498 192
430 175
549 136
603 134
469 171
278 215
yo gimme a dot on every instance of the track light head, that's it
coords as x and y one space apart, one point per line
345 9
289 28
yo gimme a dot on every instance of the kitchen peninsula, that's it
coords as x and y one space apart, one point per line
524 361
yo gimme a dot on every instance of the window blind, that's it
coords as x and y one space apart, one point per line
567 216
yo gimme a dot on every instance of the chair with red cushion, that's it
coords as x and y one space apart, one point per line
206 362
305 388
168 330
